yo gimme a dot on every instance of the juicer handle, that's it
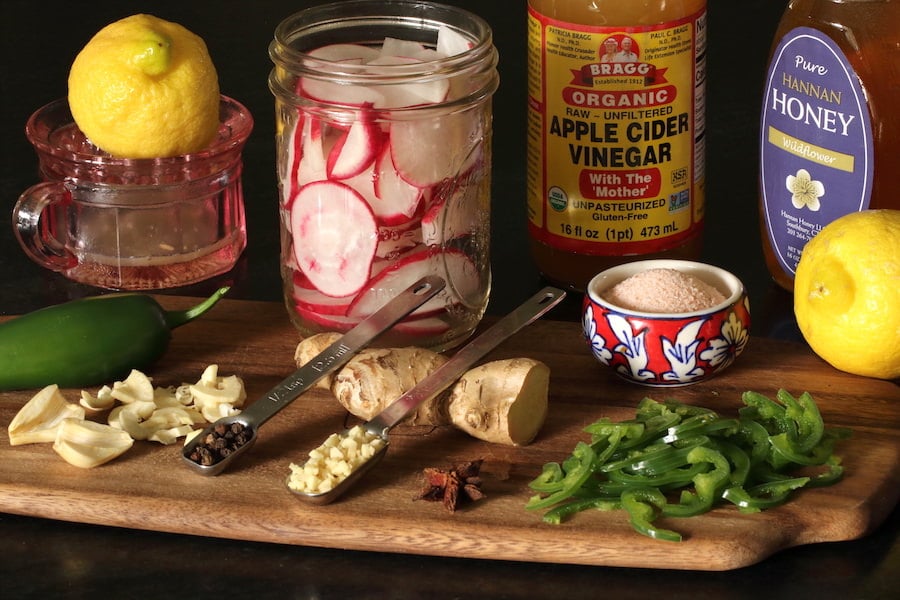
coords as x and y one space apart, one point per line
36 230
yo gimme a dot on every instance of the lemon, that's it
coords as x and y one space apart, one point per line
143 87
847 293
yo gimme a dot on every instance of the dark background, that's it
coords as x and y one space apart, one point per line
39 40
47 559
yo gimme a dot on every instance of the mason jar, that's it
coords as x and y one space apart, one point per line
383 141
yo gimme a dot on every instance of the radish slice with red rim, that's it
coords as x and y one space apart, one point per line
397 239
454 266
356 149
308 156
326 322
397 200
334 237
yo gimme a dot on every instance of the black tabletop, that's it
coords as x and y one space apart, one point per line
48 559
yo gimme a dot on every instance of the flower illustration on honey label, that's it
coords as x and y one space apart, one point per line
805 191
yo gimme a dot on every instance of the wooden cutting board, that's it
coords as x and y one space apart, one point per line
150 488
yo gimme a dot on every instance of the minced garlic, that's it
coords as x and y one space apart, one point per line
334 461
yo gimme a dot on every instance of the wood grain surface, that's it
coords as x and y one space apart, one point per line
150 488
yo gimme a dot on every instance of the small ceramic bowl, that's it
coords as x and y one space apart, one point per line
667 348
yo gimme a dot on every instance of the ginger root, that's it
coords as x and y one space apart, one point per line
310 347
377 376
503 401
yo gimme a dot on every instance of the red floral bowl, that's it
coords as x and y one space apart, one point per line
667 348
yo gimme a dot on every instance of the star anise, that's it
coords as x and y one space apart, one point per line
453 486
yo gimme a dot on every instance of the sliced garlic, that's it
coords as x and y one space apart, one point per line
216 396
102 401
191 435
87 444
37 421
130 418
137 387
170 435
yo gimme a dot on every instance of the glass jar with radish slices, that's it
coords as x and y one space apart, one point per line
383 121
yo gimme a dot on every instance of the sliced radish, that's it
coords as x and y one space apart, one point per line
293 152
346 52
412 93
443 221
327 322
317 302
430 326
310 160
364 184
428 150
334 236
398 239
454 209
450 42
373 205
424 327
330 92
356 149
396 199
454 266
396 47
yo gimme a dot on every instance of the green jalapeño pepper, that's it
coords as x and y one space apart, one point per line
643 506
674 450
577 469
88 341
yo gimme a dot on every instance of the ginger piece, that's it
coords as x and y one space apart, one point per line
503 401
376 377
310 347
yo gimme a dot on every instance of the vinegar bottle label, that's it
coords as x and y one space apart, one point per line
615 135
816 143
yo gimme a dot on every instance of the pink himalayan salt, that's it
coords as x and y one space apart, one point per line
663 291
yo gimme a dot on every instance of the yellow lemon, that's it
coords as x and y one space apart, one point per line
847 293
143 87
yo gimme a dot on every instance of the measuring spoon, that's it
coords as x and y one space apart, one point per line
238 432
435 383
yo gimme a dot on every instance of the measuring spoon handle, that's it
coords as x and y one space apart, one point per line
439 380
342 350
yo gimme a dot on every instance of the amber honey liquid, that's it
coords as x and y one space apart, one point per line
616 154
867 33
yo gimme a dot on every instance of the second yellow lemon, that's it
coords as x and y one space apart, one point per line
144 87
847 293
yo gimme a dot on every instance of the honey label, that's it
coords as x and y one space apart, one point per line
615 134
816 143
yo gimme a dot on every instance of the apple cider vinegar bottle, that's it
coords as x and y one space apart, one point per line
615 164
830 129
